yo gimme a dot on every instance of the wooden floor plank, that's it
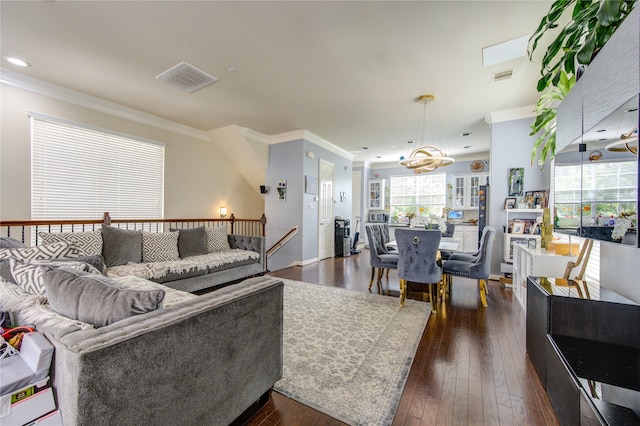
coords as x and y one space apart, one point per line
470 367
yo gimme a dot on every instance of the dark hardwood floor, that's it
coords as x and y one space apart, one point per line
471 366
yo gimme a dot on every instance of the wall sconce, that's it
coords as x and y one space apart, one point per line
223 212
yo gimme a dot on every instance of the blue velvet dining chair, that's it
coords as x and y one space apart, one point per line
477 268
380 256
417 261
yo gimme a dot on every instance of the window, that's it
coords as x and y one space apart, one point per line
79 172
608 189
411 193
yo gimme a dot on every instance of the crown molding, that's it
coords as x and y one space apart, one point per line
255 135
312 138
510 114
40 87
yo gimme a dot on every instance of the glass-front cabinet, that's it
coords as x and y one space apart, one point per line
376 194
466 189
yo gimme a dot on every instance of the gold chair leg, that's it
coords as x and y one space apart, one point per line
373 272
483 292
380 275
403 291
388 274
433 290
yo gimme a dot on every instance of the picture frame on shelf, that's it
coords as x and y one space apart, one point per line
509 203
517 227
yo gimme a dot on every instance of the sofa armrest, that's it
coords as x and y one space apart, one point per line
247 242
201 361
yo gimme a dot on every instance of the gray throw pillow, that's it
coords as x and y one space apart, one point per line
192 242
8 242
96 299
121 246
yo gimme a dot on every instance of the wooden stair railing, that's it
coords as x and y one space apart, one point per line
282 241
9 228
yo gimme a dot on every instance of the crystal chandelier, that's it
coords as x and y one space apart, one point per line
425 158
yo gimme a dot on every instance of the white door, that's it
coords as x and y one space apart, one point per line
325 210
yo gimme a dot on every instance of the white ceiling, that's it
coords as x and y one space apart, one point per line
348 71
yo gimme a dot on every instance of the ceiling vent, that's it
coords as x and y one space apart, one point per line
502 75
186 77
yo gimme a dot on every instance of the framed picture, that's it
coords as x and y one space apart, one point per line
516 182
310 185
518 227
282 190
509 202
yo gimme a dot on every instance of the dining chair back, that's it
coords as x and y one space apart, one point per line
469 256
477 268
417 260
380 257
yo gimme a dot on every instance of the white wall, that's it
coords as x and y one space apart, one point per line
510 148
198 178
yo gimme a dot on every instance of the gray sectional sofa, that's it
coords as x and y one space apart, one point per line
186 259
173 357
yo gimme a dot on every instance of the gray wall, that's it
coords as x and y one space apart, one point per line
510 147
288 160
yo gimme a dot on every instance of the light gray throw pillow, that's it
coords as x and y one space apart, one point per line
121 246
96 299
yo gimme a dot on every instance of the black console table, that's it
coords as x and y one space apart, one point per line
585 348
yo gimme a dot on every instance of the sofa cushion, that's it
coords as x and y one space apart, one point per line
96 299
191 242
121 246
159 246
58 250
29 276
8 242
30 309
89 243
217 239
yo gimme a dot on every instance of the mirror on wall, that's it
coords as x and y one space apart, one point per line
595 180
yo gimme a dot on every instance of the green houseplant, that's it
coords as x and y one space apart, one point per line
590 26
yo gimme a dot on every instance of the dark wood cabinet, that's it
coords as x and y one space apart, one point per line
586 353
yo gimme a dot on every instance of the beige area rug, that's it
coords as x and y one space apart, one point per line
348 354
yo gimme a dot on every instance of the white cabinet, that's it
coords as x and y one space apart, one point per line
521 227
535 262
376 199
465 190
468 237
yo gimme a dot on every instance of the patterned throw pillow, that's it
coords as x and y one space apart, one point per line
217 239
159 246
60 250
28 276
89 243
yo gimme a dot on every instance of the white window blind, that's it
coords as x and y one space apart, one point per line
79 172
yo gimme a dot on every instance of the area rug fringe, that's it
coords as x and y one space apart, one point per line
348 354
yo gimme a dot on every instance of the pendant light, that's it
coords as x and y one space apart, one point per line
426 158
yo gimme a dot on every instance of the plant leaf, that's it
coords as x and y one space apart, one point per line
586 52
609 12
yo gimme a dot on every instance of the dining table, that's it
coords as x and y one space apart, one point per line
446 243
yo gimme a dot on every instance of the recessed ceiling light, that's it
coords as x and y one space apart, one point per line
467 146
17 62
601 130
365 147
232 70
465 133
411 141
378 156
